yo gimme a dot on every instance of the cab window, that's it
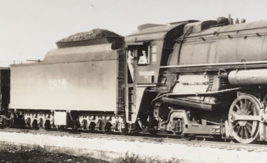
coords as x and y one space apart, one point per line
144 56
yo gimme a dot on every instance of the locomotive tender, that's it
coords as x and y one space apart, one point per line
184 78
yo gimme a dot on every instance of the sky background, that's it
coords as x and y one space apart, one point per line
30 28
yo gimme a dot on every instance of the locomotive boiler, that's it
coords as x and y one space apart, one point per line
188 78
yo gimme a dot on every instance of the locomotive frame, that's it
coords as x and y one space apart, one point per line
182 78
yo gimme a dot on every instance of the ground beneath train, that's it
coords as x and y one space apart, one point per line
15 154
123 148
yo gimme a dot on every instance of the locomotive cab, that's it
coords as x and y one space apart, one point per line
150 47
147 50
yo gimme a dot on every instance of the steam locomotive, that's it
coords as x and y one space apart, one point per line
183 78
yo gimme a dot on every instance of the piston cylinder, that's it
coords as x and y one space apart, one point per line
248 77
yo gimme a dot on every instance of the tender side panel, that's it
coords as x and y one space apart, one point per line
87 85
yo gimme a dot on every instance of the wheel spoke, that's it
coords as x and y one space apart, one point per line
249 124
241 105
239 132
236 128
249 107
249 112
242 132
252 107
246 105
249 130
249 127
246 132
238 108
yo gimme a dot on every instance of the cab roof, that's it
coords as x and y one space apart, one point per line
147 32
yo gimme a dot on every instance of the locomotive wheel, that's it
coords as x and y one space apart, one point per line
28 122
92 127
35 125
84 124
244 131
47 125
107 127
41 124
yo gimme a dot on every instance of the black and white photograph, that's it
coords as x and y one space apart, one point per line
133 81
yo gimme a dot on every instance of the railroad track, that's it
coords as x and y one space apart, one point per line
170 139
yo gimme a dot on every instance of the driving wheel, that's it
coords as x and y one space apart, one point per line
244 119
